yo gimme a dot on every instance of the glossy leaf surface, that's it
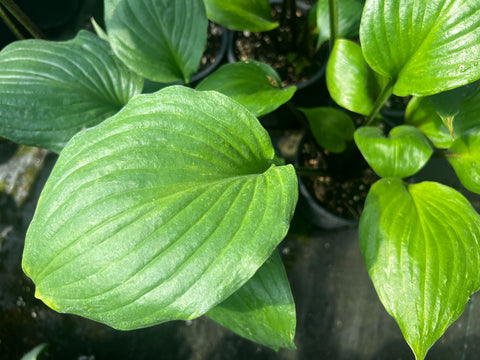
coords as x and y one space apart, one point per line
253 84
350 81
162 40
421 248
349 15
422 114
464 155
51 90
242 15
332 128
405 151
263 309
427 46
159 213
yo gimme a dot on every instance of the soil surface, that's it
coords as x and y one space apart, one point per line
290 52
344 186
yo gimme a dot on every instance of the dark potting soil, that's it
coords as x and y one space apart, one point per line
344 186
295 61
214 44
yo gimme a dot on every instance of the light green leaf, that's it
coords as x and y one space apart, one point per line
421 114
162 40
253 84
263 309
350 81
402 154
109 8
349 15
159 213
242 15
51 90
332 128
421 248
35 353
464 156
427 46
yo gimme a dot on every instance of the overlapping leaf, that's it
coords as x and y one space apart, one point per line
350 81
263 309
349 14
464 155
253 84
421 248
332 128
159 213
251 15
49 91
426 46
161 40
421 114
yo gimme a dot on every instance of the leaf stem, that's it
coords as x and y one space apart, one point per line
333 9
22 18
380 101
10 24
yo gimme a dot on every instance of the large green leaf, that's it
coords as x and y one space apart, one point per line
251 15
263 309
51 90
162 40
464 155
333 129
427 46
253 84
350 81
349 15
159 213
404 152
421 114
421 248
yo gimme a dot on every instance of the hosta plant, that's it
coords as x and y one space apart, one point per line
170 205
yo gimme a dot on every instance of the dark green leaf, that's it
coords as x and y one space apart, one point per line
350 81
427 46
251 15
402 154
51 90
332 128
421 248
349 14
253 84
464 155
159 213
421 114
162 40
263 309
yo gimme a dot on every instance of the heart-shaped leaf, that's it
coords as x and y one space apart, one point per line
162 40
351 82
402 154
349 15
421 113
332 128
427 46
159 213
464 155
242 15
253 84
263 309
51 90
421 248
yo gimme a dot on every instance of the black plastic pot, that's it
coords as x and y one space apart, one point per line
312 209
